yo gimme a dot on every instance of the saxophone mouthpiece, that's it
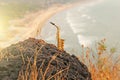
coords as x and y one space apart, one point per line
52 23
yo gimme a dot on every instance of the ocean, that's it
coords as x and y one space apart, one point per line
86 25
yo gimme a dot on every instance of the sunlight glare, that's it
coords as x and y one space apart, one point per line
1 29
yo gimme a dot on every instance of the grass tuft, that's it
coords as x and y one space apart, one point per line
103 63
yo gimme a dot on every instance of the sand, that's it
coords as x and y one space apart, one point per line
34 27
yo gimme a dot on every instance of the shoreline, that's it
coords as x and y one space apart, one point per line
65 23
39 21
36 24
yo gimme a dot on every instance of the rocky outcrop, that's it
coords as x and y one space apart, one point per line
53 62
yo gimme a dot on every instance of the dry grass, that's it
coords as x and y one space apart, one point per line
103 65
32 72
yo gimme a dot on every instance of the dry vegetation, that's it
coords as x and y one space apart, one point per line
31 72
103 65
50 63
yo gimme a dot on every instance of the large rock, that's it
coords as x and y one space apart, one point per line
50 60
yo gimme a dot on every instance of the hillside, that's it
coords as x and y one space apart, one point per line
49 62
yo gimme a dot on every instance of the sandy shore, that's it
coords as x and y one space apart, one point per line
40 20
33 29
38 23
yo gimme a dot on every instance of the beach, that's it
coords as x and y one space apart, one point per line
33 28
48 32
86 24
39 27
